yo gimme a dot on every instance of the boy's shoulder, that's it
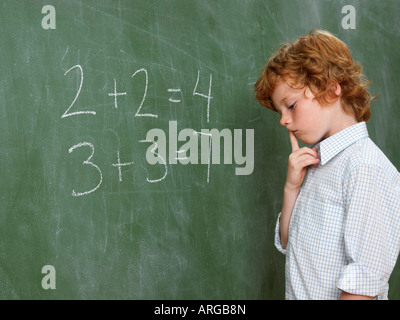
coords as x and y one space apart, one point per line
365 154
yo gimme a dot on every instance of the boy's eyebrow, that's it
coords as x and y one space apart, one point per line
280 103
283 100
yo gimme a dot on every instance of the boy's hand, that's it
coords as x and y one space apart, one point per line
299 160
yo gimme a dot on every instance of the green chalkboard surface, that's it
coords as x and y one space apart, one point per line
135 162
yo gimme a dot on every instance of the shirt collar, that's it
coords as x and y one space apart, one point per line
336 143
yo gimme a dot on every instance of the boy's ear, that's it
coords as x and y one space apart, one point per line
334 93
338 89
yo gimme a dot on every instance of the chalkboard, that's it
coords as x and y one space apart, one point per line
135 161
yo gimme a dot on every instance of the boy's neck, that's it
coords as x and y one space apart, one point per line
340 120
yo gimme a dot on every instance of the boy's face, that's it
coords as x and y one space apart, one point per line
303 115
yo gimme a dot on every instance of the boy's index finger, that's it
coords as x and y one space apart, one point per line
293 141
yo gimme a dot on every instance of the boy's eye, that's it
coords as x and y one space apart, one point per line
292 106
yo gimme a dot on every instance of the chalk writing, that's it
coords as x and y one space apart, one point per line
119 165
115 94
66 114
158 159
199 146
208 96
172 99
138 114
88 162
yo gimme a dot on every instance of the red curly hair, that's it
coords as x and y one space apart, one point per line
318 61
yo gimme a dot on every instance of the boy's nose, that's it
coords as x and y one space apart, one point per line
285 120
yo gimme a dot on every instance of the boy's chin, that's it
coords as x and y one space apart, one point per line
309 141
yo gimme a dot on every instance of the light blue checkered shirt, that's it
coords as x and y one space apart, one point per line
344 233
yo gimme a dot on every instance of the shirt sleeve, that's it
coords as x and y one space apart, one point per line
371 231
278 243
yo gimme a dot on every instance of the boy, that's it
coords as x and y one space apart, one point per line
340 220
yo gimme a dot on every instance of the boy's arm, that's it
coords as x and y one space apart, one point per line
289 199
348 296
299 160
371 228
